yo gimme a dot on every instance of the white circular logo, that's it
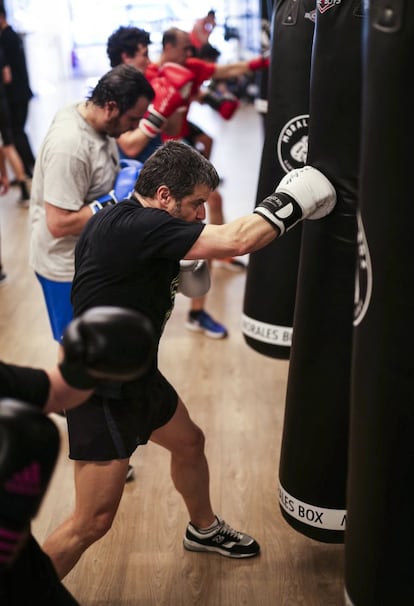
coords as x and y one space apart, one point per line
292 144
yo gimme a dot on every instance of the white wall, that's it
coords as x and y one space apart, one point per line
57 31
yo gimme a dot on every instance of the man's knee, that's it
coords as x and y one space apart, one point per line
192 445
95 527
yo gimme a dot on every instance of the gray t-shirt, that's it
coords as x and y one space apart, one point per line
75 165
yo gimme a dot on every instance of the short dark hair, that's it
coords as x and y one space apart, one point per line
178 166
123 84
170 36
125 40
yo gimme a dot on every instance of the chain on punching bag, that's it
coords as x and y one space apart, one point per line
313 463
269 298
379 536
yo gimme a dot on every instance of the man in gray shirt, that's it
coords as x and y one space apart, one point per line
78 163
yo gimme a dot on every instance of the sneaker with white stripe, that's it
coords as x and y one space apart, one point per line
222 539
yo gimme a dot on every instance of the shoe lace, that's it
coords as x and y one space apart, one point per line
231 532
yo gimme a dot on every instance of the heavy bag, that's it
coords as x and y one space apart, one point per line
313 461
260 102
269 297
379 536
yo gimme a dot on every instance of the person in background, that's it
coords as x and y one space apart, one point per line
18 89
4 188
76 173
10 152
129 45
202 30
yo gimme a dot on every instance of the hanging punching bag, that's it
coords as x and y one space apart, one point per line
380 537
269 297
313 462
260 102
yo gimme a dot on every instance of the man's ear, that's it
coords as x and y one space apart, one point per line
126 58
111 107
163 195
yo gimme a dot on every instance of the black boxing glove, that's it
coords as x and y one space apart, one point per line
29 446
106 344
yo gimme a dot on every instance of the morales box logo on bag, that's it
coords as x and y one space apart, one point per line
324 5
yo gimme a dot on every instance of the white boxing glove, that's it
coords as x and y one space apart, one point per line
194 278
304 193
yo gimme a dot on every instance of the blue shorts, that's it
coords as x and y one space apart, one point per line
59 307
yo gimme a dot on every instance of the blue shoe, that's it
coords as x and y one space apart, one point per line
201 321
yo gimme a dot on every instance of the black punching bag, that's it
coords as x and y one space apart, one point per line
313 463
270 290
380 538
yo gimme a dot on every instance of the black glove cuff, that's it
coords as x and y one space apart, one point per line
280 209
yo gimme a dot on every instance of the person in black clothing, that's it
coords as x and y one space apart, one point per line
9 150
129 255
103 344
18 90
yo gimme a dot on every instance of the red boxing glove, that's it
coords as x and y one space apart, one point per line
225 104
179 76
258 63
228 107
166 101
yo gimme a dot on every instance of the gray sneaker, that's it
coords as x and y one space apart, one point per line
223 539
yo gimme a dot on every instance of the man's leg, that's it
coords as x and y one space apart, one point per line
190 474
189 467
99 487
198 319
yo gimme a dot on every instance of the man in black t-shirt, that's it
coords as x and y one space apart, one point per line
103 343
130 255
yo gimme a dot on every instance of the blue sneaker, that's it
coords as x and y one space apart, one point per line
201 321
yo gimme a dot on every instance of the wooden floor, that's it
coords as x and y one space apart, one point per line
234 393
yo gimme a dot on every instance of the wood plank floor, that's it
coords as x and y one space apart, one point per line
234 393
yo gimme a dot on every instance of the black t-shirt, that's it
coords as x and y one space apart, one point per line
32 579
19 88
129 255
27 384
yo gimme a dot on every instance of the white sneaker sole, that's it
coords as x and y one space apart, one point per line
194 546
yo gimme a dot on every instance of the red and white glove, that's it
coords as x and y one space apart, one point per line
172 88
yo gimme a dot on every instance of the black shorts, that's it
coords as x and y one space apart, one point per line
117 419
